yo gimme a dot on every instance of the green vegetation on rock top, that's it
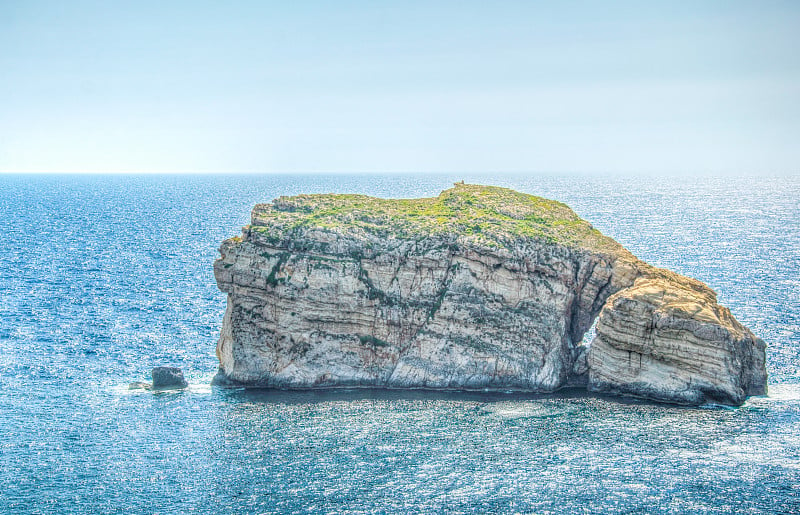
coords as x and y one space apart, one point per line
486 215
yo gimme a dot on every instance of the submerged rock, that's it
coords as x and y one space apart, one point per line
168 378
478 288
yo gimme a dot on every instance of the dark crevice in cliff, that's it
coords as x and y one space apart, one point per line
445 286
579 319
271 278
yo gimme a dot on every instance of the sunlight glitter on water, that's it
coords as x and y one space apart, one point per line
780 392
117 282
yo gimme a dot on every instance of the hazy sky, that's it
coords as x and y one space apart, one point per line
259 86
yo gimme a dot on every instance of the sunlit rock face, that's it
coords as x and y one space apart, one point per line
479 288
668 339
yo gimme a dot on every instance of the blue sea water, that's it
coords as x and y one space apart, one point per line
104 277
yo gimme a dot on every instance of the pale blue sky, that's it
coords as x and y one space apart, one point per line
258 86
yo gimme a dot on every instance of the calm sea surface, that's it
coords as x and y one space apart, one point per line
102 278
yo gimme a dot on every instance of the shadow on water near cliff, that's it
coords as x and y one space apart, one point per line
312 396
780 393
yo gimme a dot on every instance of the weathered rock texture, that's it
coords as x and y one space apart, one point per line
478 288
168 378
669 340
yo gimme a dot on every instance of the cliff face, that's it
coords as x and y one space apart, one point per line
667 339
478 288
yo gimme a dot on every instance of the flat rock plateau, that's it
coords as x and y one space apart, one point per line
479 288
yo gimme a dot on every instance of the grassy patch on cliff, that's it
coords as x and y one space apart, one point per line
486 215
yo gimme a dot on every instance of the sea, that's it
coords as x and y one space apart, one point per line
103 277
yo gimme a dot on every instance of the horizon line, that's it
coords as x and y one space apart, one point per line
409 172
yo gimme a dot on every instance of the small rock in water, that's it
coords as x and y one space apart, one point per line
168 378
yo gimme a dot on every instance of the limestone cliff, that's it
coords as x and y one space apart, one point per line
668 339
478 288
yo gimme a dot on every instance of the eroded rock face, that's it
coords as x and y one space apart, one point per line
668 339
478 288
429 314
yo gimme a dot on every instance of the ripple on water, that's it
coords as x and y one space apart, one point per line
118 280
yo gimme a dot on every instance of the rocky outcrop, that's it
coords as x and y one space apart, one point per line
164 378
667 339
479 288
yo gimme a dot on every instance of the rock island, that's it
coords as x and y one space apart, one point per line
479 288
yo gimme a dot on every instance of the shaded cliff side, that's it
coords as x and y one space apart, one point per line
480 287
